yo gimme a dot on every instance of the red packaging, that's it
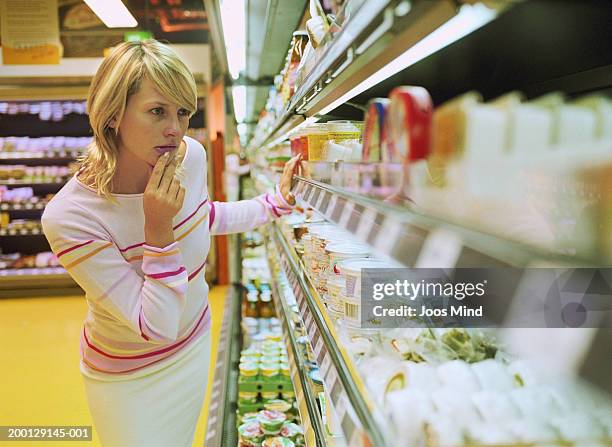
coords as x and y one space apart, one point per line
299 145
408 125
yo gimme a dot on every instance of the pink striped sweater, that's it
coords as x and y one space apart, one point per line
144 303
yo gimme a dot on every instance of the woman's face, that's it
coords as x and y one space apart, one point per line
151 126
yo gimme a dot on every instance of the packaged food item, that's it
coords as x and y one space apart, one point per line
271 421
315 136
602 106
350 269
251 432
269 396
485 131
249 371
529 127
374 133
408 125
493 375
572 123
299 144
344 141
269 371
338 251
293 432
266 308
277 405
316 381
278 441
284 370
457 374
298 44
342 130
288 395
448 134
247 397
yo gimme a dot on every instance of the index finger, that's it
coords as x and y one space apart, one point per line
292 163
158 171
180 153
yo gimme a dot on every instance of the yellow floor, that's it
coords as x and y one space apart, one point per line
40 382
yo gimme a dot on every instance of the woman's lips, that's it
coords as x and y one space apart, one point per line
161 150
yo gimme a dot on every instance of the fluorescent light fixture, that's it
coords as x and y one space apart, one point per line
239 97
113 13
469 19
233 22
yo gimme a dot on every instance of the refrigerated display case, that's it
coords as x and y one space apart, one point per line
495 69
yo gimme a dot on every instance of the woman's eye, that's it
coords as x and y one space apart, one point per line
157 111
183 112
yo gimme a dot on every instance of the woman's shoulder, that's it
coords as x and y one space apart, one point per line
195 149
67 208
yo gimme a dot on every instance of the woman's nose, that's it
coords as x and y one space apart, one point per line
172 128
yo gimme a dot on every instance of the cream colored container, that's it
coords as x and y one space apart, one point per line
351 310
339 251
350 269
335 286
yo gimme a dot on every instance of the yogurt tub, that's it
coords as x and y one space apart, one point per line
350 269
339 251
335 286
351 309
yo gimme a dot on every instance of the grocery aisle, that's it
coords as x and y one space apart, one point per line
40 383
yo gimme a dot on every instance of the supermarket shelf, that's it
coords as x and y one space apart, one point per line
14 182
314 433
221 413
40 158
415 239
37 282
65 155
361 423
487 65
23 232
372 37
22 206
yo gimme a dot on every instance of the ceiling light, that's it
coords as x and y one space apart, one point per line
233 22
239 97
113 13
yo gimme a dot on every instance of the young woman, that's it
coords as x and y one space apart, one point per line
133 229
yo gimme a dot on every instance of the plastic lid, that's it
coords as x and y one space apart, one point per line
346 248
344 126
355 265
318 128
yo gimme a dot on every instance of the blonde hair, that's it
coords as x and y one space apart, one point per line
118 77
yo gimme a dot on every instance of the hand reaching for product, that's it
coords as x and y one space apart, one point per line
163 199
292 167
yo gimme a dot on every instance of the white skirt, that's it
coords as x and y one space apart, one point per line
152 409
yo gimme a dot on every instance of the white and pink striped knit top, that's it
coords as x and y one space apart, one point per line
145 303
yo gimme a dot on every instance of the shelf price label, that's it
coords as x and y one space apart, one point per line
324 365
325 201
347 213
332 206
440 250
365 224
388 235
